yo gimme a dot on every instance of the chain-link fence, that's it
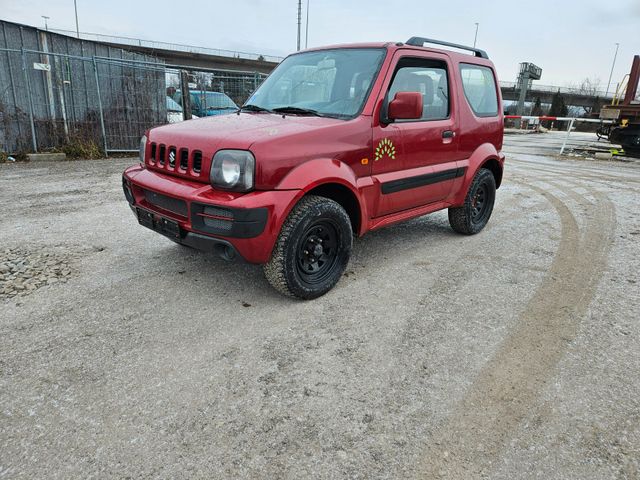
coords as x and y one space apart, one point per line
48 100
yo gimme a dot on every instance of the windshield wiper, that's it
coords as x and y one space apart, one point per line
298 110
254 108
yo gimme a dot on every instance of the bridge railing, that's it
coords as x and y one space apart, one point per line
179 47
553 89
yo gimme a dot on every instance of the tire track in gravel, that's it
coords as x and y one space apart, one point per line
579 173
618 185
469 443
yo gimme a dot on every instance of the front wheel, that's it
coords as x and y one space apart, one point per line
312 250
478 205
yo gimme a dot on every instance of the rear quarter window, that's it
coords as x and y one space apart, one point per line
479 85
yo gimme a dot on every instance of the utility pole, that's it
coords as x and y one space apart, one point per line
46 27
75 6
612 67
306 37
475 39
299 21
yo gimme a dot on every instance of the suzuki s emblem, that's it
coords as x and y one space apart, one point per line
172 158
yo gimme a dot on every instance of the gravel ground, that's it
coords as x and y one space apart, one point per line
510 354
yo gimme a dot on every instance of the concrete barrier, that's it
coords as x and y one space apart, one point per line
46 157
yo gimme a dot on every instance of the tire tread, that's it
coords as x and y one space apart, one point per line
275 269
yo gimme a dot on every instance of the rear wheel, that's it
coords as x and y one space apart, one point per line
478 205
312 250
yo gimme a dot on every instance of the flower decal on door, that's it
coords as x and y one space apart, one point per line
385 147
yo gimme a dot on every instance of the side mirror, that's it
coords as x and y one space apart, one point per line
405 106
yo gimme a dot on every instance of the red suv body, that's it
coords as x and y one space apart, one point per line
386 131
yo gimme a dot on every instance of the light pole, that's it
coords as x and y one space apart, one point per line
615 55
75 6
46 27
306 36
299 21
475 39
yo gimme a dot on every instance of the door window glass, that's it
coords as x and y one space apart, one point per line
427 77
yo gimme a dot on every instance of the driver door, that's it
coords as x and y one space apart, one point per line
414 161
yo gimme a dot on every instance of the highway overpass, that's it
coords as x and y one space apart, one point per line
210 58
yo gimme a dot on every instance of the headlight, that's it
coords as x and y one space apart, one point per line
233 170
143 145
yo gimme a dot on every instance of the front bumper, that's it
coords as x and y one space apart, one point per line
231 224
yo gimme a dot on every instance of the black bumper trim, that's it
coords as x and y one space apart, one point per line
204 243
211 244
235 223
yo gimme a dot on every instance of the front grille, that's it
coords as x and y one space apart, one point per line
164 202
176 159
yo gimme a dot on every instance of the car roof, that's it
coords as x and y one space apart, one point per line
464 57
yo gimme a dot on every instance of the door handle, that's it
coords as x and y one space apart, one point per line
448 134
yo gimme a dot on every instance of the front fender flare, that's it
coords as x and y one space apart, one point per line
323 171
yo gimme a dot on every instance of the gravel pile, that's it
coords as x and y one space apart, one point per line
23 272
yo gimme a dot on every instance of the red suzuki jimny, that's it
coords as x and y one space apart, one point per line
337 141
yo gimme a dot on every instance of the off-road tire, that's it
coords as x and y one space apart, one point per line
466 219
286 271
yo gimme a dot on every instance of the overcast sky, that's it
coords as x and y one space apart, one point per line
570 39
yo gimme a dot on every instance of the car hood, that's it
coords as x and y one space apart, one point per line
279 143
210 134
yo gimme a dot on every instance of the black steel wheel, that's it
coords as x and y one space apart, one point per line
472 217
312 250
480 202
318 251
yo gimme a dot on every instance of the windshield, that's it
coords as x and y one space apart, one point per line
333 83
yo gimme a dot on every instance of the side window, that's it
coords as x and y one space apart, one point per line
479 86
429 77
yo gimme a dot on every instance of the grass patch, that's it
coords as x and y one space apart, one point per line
81 148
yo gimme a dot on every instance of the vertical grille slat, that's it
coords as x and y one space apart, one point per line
197 161
152 158
162 155
184 158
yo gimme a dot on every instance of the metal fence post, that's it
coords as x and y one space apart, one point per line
28 86
186 96
104 132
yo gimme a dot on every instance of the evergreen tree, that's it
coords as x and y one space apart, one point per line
558 109
537 108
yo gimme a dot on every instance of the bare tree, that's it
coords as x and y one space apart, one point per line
590 87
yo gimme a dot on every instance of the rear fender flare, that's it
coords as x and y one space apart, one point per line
478 158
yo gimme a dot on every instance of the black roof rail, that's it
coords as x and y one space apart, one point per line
420 41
